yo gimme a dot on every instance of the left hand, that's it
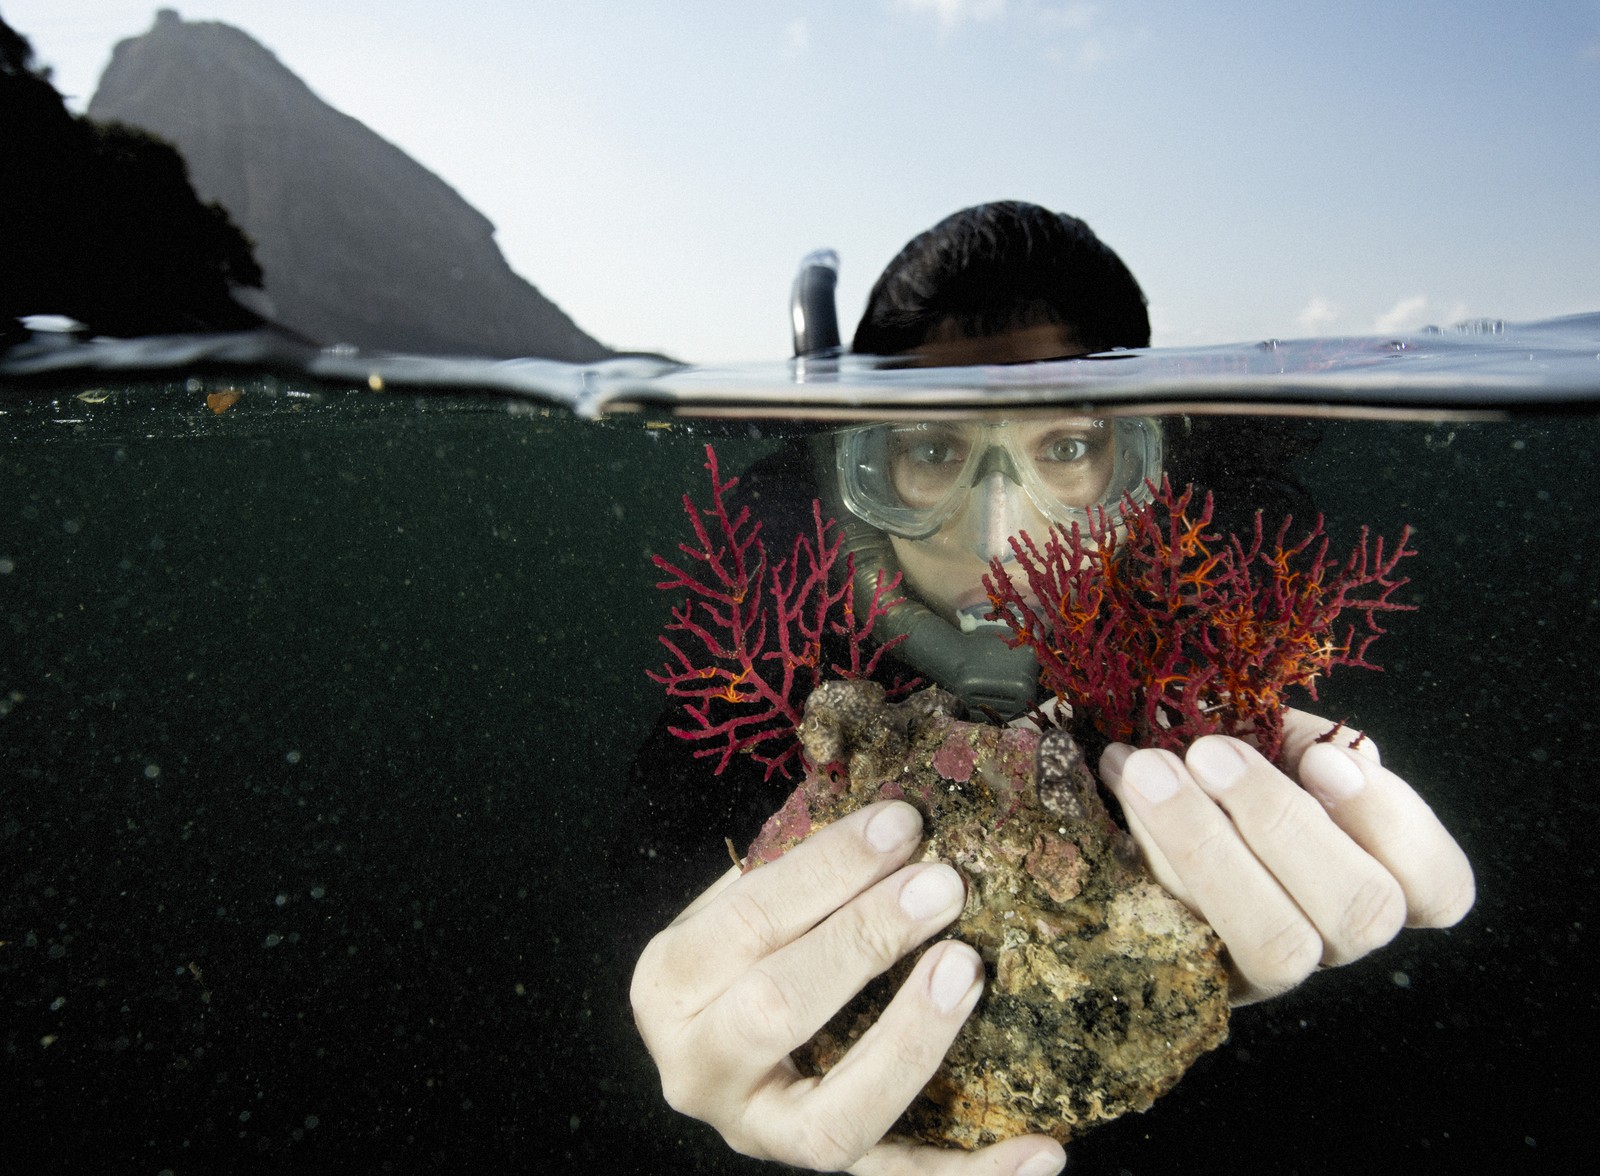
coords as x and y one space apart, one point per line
1292 876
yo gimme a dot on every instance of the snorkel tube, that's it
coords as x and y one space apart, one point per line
978 666
811 306
813 318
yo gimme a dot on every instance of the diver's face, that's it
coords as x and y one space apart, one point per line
998 475
1073 457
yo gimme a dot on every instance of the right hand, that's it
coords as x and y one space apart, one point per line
1311 866
756 965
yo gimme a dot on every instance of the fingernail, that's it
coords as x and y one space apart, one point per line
1045 1163
1217 761
1331 773
953 977
934 891
1111 761
891 828
1151 777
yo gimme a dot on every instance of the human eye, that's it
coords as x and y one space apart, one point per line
930 449
1069 448
1065 449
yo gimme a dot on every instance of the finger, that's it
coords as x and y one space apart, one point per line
1271 943
830 1122
784 999
749 917
1352 900
704 899
1155 859
1302 728
1386 817
1026 1155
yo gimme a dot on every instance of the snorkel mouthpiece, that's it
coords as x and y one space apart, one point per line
977 665
975 618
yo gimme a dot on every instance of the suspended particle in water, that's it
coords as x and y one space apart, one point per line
221 402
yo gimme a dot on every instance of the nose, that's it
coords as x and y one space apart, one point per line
997 515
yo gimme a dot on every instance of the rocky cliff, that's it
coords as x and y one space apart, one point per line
358 242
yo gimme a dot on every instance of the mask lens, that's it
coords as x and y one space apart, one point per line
910 480
1070 463
927 464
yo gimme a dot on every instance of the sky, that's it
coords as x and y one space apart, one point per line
1274 169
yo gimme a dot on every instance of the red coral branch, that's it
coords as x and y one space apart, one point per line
741 693
1157 630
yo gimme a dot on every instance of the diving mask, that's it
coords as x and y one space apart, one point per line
981 482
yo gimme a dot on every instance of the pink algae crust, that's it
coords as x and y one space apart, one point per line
955 758
788 826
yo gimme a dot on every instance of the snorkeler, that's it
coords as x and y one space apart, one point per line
1294 871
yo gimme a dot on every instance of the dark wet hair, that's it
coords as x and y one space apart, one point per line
1002 266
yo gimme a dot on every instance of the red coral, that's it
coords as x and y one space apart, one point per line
741 696
1157 630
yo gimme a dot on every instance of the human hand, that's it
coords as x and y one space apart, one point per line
760 962
1290 877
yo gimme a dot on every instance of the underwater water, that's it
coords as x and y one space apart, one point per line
315 714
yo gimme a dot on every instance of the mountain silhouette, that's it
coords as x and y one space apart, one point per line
358 243
100 223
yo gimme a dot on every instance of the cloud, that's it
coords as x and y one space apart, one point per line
1405 315
1091 52
796 37
1073 34
1067 32
1319 314
1073 17
951 14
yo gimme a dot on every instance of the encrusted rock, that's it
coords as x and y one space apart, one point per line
1103 989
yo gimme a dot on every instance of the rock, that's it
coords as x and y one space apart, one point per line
1102 988
359 243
